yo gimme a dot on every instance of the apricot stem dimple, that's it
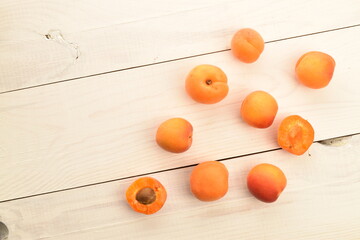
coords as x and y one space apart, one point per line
208 82
146 196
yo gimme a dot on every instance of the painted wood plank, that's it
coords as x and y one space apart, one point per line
91 37
103 127
19 18
321 201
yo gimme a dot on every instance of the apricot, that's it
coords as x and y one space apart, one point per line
266 182
175 135
247 45
259 109
146 195
295 134
207 84
209 181
315 69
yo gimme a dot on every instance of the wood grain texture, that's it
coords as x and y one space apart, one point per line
321 201
91 37
102 128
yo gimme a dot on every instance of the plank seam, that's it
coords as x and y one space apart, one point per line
173 60
156 172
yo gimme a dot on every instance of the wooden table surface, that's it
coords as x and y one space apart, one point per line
84 85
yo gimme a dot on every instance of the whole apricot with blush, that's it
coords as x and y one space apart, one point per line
175 135
266 182
207 84
315 69
259 109
247 45
295 134
209 181
146 195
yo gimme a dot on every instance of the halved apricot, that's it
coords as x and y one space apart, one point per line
146 195
295 134
207 84
175 135
247 45
209 181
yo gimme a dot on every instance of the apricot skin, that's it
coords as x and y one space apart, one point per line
247 45
209 181
175 135
207 84
315 69
259 109
266 182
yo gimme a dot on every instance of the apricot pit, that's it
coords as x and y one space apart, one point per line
146 196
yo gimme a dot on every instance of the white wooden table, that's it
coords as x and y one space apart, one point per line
84 85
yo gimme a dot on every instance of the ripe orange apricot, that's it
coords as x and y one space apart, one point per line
175 135
209 181
247 45
259 109
315 69
295 134
146 195
207 84
266 182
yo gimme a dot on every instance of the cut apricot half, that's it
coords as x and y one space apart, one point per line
146 195
295 134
